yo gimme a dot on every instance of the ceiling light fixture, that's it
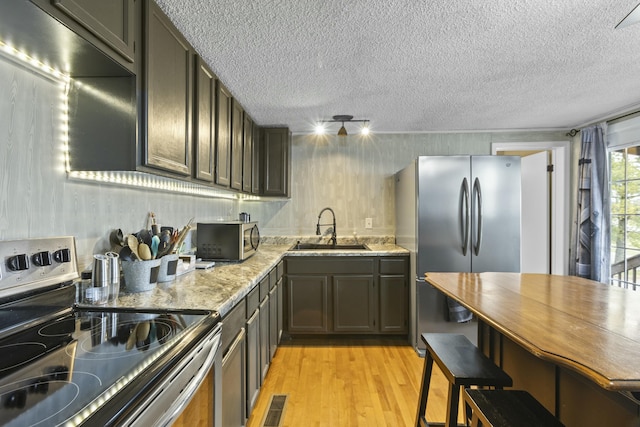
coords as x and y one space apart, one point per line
343 118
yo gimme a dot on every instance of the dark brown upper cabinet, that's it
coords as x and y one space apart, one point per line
237 142
113 21
204 136
255 160
168 83
223 135
247 149
275 148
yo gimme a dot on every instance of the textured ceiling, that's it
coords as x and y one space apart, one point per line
420 65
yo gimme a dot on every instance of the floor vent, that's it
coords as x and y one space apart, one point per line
275 413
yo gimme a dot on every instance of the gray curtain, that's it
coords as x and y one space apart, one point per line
592 246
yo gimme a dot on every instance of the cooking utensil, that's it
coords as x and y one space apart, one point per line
144 251
127 255
155 245
132 242
116 238
155 228
181 236
144 236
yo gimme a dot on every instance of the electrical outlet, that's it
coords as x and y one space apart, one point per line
368 223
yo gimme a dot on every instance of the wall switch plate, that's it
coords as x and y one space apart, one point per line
368 223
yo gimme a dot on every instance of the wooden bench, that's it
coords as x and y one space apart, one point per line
463 364
507 408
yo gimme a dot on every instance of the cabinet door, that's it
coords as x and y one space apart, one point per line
273 322
223 136
233 383
169 85
237 144
264 339
255 161
204 129
307 304
247 150
253 360
394 304
275 150
354 303
111 21
280 289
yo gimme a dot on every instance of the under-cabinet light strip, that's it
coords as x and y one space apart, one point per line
23 58
146 180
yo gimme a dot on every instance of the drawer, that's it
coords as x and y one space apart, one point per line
279 270
264 287
396 265
336 265
273 278
231 325
253 300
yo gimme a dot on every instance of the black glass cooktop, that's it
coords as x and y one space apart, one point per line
63 371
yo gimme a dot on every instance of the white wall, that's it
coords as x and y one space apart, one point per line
353 175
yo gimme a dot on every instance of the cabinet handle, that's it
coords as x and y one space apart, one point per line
233 346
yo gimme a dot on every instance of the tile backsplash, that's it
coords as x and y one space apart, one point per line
353 175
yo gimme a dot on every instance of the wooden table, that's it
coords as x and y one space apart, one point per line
581 339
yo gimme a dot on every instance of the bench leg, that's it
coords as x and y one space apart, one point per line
452 408
424 391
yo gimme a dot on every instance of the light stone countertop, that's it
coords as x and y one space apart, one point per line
222 287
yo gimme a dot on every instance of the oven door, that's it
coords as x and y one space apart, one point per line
170 397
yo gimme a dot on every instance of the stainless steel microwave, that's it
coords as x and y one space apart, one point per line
228 241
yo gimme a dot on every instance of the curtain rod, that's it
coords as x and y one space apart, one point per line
574 132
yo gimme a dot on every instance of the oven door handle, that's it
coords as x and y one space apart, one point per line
213 342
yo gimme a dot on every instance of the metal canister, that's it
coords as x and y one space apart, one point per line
113 275
98 293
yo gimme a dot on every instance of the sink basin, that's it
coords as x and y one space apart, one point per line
327 246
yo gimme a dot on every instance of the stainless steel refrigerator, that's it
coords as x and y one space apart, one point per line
456 214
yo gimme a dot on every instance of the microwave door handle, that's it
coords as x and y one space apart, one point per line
255 242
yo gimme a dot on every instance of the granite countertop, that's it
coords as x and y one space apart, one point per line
222 287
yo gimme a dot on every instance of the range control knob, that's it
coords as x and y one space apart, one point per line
42 259
18 262
62 255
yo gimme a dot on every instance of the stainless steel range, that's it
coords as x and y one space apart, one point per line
64 364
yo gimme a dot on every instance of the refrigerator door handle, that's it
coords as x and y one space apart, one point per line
477 191
467 216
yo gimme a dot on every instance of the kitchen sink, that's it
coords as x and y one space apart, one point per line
327 246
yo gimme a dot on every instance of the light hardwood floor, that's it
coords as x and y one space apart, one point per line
348 382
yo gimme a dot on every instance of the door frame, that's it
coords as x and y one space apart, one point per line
560 158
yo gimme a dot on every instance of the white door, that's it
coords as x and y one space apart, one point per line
535 244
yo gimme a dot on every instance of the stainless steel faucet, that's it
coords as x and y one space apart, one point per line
334 237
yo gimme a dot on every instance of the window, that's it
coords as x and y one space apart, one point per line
625 217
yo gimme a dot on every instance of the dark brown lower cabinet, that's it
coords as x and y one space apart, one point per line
264 338
233 383
253 360
354 302
273 322
394 307
347 295
308 305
